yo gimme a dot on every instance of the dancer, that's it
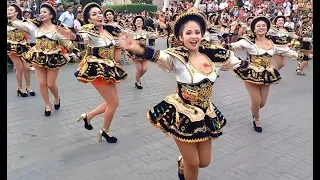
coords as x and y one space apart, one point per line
140 34
260 74
281 37
17 44
114 29
306 48
189 116
98 67
49 53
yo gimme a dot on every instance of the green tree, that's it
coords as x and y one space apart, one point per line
142 1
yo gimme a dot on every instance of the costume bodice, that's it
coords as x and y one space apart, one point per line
197 94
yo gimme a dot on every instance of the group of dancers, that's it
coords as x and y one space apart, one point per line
198 52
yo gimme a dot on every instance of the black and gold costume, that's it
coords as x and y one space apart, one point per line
306 34
17 40
282 40
142 39
189 115
260 71
50 49
98 61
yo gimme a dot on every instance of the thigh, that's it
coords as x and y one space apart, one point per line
41 74
137 64
26 66
253 90
52 75
204 149
189 152
144 64
17 62
108 93
264 91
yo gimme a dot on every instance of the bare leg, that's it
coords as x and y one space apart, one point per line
52 75
190 162
41 74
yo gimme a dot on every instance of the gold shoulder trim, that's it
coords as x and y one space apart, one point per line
218 55
179 52
90 29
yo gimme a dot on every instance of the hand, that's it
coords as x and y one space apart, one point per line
310 56
126 41
65 32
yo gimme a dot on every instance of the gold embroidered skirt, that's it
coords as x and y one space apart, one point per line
92 68
18 49
51 59
258 75
185 122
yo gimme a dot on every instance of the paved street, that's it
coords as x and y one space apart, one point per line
59 148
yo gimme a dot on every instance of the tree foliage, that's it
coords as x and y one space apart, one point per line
142 1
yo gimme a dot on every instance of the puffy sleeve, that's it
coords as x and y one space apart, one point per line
25 26
242 44
83 38
67 43
222 58
291 54
165 61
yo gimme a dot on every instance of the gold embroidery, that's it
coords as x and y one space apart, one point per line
261 61
198 95
45 44
192 112
106 53
16 35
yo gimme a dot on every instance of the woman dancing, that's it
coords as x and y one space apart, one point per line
140 34
260 74
306 48
114 29
49 53
188 115
17 44
281 37
98 67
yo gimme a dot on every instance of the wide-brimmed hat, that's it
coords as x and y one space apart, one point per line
189 16
136 17
277 17
260 18
49 5
248 18
108 10
86 9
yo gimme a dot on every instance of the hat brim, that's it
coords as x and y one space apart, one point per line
108 10
260 18
86 9
136 17
248 18
277 17
18 9
51 8
189 16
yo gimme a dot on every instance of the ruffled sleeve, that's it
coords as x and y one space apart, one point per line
25 26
